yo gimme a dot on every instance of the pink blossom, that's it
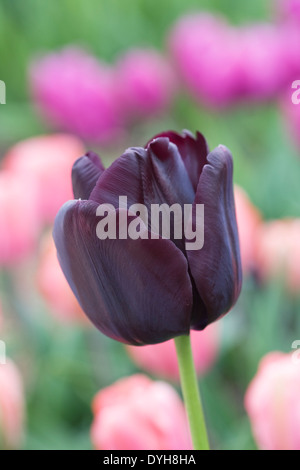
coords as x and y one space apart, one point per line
272 403
48 160
136 413
11 405
206 53
19 220
278 251
76 93
265 65
223 65
248 220
161 359
145 83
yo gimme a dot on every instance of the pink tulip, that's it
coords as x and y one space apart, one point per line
206 54
76 92
11 405
223 65
161 359
145 83
272 403
278 251
249 220
137 413
48 160
287 13
53 286
264 70
19 221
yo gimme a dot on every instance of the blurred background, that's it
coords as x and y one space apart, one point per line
103 76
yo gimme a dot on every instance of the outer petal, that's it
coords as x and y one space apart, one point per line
193 152
85 173
216 268
135 291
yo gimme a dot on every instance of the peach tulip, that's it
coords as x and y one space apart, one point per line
248 220
161 359
19 221
136 413
48 159
11 405
272 402
278 251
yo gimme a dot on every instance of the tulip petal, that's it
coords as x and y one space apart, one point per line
216 268
135 291
85 173
193 152
154 175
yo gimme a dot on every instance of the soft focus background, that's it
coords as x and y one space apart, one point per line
103 76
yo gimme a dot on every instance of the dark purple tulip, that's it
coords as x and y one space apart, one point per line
146 291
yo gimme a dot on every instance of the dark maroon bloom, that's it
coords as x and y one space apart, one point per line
149 290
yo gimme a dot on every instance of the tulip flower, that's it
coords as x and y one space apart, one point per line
136 413
272 402
145 83
263 51
76 92
11 405
205 51
276 259
150 289
249 221
19 218
137 283
46 159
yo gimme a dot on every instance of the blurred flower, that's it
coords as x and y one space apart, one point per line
48 160
222 65
248 220
137 413
161 359
272 403
19 221
53 285
263 65
145 83
278 251
288 10
148 290
76 92
206 53
11 405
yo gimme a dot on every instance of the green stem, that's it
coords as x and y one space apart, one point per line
191 393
